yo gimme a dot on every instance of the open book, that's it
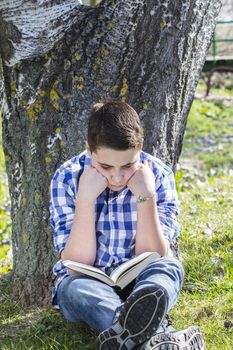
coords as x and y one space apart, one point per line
122 275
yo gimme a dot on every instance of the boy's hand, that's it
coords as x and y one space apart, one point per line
91 184
142 183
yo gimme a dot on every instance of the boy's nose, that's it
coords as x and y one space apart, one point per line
117 178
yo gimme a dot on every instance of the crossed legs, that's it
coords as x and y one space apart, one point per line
88 300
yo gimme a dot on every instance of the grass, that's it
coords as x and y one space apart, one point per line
205 184
206 246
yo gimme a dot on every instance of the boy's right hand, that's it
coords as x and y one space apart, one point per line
91 184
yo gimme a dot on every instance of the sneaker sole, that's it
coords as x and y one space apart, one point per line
190 339
139 318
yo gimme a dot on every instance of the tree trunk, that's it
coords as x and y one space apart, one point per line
58 58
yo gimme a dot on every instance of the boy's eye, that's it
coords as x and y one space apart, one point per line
105 167
108 167
128 166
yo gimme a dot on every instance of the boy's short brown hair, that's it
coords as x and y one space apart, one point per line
115 125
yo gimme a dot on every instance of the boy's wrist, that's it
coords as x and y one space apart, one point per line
85 199
143 198
144 192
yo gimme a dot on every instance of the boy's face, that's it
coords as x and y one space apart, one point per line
116 166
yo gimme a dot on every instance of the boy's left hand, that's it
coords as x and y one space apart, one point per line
142 183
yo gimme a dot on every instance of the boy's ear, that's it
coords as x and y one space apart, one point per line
88 149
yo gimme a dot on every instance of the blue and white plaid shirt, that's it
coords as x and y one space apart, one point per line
116 213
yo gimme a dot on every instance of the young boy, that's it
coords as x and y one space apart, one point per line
108 204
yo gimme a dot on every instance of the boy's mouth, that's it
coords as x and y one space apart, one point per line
118 186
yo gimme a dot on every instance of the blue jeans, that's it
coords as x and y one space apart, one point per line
84 299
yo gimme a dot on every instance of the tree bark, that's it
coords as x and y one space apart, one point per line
57 59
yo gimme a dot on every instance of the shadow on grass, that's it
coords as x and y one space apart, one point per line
36 328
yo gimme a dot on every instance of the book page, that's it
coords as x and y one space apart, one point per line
130 264
88 270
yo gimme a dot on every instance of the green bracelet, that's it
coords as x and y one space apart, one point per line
142 199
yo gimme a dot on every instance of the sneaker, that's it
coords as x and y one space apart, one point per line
188 339
139 318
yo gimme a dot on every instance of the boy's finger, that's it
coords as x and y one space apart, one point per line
140 165
148 165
